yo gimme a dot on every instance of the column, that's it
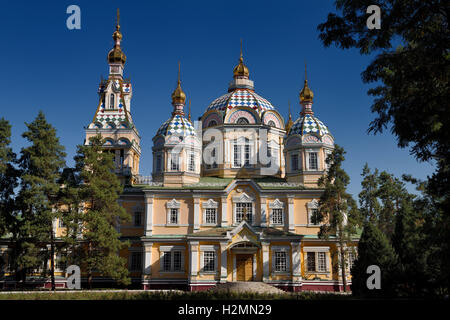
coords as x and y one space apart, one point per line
224 212
263 212
296 262
148 215
147 263
196 214
265 254
291 213
193 259
223 262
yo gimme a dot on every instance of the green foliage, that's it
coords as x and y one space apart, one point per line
100 190
374 248
8 178
368 200
40 167
337 209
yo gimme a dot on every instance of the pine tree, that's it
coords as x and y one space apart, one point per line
8 179
337 209
41 164
100 192
368 197
374 248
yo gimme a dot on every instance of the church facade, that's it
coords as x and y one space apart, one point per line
232 196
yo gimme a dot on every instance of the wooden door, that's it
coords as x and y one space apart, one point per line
244 267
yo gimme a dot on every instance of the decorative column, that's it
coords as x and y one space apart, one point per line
146 264
263 212
193 259
224 212
196 214
296 261
223 262
148 215
291 213
265 260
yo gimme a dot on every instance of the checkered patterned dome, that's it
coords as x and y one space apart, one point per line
240 98
308 124
177 125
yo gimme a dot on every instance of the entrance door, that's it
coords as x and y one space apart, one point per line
244 267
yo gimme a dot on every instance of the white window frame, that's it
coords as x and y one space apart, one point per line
241 144
172 249
287 251
173 204
316 251
277 204
174 162
312 205
211 205
244 198
209 248
308 154
191 161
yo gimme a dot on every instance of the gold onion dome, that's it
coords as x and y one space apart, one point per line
116 55
289 123
306 95
241 69
178 96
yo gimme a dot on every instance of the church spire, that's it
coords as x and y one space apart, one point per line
116 58
306 96
289 123
178 95
241 70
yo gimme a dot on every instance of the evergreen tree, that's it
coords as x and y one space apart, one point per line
100 191
374 248
368 197
40 165
8 179
337 209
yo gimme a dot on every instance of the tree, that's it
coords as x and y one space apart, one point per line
337 209
374 248
368 198
40 164
100 191
8 178
411 70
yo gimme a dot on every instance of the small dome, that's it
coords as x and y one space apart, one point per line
308 124
241 69
177 125
116 56
178 96
240 98
306 95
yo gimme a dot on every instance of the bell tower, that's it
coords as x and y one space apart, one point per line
113 119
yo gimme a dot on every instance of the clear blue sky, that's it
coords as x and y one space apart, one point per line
46 66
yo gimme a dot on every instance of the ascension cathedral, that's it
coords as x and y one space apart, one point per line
231 197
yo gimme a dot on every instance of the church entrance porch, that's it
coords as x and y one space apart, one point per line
244 267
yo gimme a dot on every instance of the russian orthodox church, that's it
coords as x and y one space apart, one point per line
231 197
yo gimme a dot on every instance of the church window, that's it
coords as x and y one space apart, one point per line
177 261
209 261
167 261
244 210
210 215
171 258
241 153
212 123
175 162
158 163
313 216
136 261
173 216
242 121
327 165
191 161
271 123
280 261
294 162
313 161
322 263
277 216
111 101
311 261
237 155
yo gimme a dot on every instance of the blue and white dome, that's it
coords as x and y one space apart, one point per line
177 125
240 98
308 124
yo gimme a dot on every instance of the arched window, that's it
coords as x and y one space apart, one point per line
212 123
271 123
111 101
242 121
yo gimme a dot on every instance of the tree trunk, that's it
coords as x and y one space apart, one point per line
52 258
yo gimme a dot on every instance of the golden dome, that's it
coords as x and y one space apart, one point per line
178 96
116 56
289 123
306 95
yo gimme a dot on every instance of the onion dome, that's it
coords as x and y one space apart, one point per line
306 95
177 125
116 55
178 95
240 98
307 124
241 69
